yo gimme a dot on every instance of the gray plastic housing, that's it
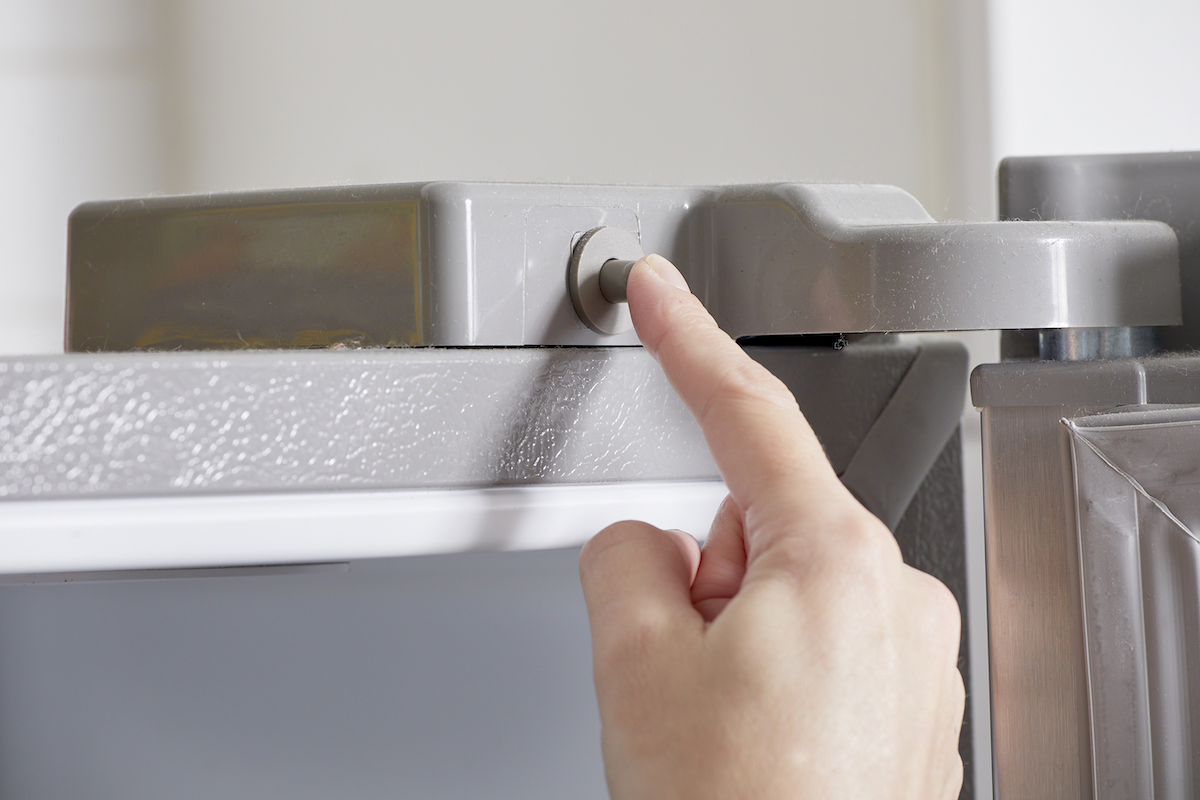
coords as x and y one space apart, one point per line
1152 186
471 264
1167 379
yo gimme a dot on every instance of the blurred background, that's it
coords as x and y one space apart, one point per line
111 98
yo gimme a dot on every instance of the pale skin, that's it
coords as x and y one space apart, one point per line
796 655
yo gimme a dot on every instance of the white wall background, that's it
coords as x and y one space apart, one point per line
78 114
1094 76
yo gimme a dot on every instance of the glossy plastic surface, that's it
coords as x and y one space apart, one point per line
486 265
1152 186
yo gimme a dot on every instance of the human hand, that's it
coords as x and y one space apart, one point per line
796 656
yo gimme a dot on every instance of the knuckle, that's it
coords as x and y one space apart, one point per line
614 536
641 638
866 546
942 611
960 697
936 619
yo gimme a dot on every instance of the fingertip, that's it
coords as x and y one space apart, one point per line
660 302
595 547
636 585
627 545
666 271
653 277
631 558
689 548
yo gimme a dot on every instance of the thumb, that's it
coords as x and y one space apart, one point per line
637 585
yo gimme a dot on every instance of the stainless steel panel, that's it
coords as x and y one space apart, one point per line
1040 730
1040 707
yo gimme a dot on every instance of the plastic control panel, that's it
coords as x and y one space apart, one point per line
471 264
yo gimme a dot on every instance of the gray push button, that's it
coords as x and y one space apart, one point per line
598 271
614 279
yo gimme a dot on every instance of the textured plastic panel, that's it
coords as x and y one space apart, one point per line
1155 186
135 423
167 423
1137 484
486 264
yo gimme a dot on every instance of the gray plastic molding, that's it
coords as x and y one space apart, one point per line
1127 381
486 265
1137 486
909 434
1153 186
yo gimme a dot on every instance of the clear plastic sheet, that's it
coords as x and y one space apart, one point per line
1137 485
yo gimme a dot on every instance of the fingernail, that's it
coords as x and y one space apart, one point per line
666 271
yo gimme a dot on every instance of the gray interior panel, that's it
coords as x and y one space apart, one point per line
447 677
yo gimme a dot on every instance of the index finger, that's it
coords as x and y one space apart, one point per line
765 449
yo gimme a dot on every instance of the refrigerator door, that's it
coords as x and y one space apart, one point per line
1052 668
164 671
435 395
